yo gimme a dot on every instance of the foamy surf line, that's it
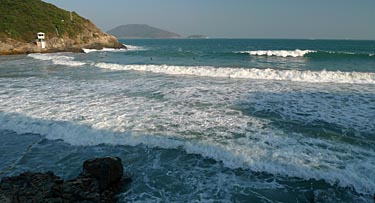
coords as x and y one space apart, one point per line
135 48
104 50
128 48
253 73
81 135
280 53
57 59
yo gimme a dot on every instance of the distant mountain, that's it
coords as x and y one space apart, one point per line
141 31
197 37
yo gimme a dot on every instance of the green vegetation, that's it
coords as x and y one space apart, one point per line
22 19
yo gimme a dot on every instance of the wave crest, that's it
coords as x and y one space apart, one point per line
253 73
104 50
281 53
57 59
128 48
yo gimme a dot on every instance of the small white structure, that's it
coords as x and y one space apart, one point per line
40 40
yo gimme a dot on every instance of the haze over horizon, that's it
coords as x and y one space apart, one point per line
292 19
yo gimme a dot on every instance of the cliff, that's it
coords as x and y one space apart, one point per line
140 31
21 20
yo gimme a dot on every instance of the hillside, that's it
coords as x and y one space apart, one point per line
20 20
140 31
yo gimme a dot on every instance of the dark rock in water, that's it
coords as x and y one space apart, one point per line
108 171
100 181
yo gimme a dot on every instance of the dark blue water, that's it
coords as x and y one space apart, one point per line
330 54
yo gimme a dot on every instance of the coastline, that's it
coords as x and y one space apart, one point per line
54 45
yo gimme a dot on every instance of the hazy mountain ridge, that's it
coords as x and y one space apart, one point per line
142 31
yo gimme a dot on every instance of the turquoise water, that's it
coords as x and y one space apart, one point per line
200 120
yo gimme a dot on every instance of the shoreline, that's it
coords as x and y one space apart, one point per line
20 48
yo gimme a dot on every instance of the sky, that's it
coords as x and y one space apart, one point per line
292 19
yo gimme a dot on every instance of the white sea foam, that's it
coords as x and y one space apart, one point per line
128 48
104 50
57 59
135 48
49 57
253 73
278 158
194 115
200 116
281 53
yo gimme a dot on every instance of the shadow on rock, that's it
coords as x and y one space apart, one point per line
101 180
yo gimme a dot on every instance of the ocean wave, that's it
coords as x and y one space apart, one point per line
281 53
135 48
253 73
304 53
238 155
128 48
48 57
57 59
335 54
104 50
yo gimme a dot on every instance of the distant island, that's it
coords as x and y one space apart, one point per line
197 37
21 20
142 31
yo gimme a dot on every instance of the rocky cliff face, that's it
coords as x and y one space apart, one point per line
20 21
90 40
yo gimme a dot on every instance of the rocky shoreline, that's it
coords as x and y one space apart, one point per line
24 23
53 45
101 180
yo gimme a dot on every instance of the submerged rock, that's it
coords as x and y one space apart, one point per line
100 181
107 171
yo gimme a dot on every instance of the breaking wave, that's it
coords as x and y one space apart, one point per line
281 53
135 48
128 48
224 72
304 53
104 50
57 59
253 73
232 156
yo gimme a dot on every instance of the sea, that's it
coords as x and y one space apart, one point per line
200 120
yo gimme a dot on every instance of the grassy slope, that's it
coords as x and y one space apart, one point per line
22 19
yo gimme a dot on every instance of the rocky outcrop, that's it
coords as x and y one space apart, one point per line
89 40
21 20
100 181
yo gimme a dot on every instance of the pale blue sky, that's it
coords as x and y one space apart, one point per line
317 19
